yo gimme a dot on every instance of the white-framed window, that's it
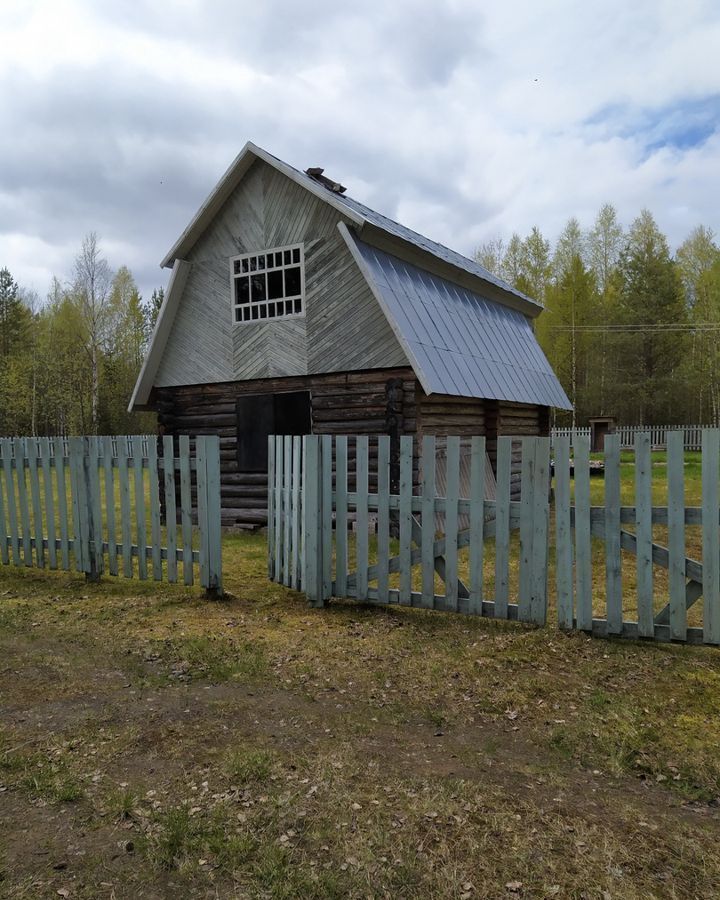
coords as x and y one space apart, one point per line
268 285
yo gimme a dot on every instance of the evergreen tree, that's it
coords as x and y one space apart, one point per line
14 316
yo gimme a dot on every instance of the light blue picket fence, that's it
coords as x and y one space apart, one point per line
93 504
451 538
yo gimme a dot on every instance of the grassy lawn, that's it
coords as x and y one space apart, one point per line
155 744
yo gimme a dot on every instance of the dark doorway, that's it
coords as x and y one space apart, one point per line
260 415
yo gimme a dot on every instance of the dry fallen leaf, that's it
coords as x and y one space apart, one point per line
514 886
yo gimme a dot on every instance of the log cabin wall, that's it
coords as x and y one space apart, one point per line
373 402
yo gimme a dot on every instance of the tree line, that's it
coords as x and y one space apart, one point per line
68 365
631 329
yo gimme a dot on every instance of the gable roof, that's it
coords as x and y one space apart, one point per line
459 342
353 210
465 332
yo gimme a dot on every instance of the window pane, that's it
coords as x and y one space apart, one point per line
238 315
258 288
296 255
263 311
278 259
261 262
275 285
244 265
253 263
287 258
288 307
242 290
245 313
271 310
292 281
236 267
298 305
254 311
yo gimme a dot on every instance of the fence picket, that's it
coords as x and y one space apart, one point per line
613 570
541 516
4 556
502 528
295 535
564 559
92 463
186 508
109 478
428 521
170 507
155 526
676 534
79 502
477 523
406 488
312 574
125 515
137 458
214 531
341 514
383 523
583 555
37 517
452 495
287 496
527 477
361 520
7 462
644 534
47 468
272 512
280 512
326 450
711 536
201 484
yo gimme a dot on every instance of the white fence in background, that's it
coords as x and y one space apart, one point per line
692 434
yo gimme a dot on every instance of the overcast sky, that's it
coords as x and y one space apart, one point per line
464 120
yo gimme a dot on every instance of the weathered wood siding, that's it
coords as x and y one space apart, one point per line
370 402
343 328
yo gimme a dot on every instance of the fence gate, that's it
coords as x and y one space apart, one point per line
113 504
631 570
337 529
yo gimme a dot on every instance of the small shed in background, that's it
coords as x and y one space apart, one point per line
599 427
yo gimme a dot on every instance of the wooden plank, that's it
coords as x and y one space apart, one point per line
711 536
477 522
125 505
287 521
155 528
214 531
644 534
502 525
170 508
201 474
140 523
541 517
405 516
280 511
92 464
676 534
383 521
312 543
428 520
49 500
37 512
527 476
271 523
451 521
81 548
109 474
583 555
7 464
302 562
296 512
186 508
341 507
4 537
613 558
326 451
361 516
563 534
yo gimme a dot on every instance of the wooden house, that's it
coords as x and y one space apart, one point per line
292 308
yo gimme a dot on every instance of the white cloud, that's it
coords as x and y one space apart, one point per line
463 120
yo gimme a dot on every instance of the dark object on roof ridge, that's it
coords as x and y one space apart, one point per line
316 173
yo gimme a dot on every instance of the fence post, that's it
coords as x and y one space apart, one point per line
207 451
312 520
